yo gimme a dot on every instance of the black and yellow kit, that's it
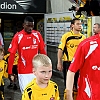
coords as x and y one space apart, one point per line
15 60
34 92
14 70
3 73
68 44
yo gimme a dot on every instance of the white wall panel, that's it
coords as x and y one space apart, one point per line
60 5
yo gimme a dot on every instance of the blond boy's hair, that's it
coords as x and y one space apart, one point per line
40 60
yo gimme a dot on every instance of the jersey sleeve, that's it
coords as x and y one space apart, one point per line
84 37
5 70
25 95
78 59
14 44
62 42
56 91
57 94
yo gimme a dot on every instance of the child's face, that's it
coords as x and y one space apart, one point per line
1 55
43 74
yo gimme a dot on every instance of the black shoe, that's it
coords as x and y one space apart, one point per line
15 87
10 86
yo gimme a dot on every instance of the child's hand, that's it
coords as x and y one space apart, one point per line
12 78
1 69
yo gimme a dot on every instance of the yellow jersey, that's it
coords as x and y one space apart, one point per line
3 72
34 92
15 60
69 43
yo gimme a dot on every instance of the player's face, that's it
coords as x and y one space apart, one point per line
77 25
28 26
1 55
96 29
43 74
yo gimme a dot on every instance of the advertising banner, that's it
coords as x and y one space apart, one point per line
23 6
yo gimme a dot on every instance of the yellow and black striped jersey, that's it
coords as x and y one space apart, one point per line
34 92
3 72
69 43
15 60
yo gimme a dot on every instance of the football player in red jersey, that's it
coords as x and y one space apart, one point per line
28 43
87 60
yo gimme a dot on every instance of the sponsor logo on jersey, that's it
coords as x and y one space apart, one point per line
95 68
72 45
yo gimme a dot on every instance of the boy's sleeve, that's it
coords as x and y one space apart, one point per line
25 95
57 93
5 70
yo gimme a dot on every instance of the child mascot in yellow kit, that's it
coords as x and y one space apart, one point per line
41 88
3 73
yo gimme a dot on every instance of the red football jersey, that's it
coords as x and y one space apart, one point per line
27 45
87 60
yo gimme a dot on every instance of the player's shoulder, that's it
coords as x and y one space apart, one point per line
92 39
29 86
66 34
20 33
35 31
53 83
82 35
3 61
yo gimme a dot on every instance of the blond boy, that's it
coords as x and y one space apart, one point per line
41 88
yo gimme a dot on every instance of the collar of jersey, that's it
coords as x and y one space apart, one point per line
39 88
26 32
73 33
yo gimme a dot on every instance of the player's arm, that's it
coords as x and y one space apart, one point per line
10 63
43 51
57 94
69 84
59 55
12 49
61 46
5 70
74 67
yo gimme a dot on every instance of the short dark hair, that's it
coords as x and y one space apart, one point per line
29 19
97 24
73 21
